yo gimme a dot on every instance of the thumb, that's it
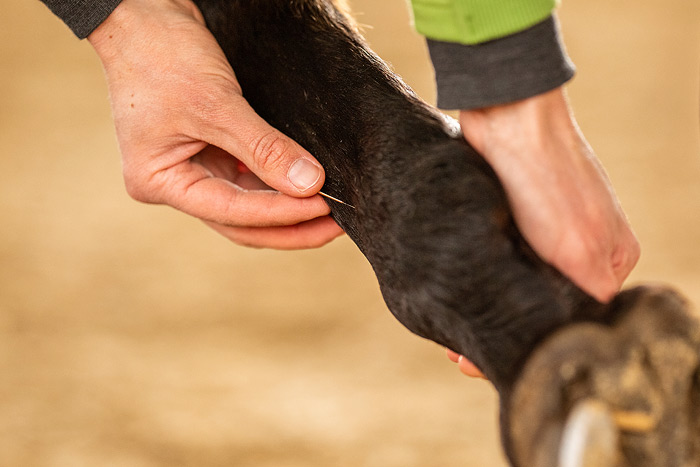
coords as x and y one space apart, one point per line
274 157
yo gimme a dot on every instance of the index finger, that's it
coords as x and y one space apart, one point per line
213 199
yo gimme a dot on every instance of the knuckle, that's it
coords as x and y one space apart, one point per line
635 250
242 240
626 255
270 150
138 189
243 237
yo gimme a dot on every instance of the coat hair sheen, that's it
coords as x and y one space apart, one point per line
427 211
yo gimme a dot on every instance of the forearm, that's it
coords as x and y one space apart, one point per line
508 84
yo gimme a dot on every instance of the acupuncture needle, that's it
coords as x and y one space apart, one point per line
335 199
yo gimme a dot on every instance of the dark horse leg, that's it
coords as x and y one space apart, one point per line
432 218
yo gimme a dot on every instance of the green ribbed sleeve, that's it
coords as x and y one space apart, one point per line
476 21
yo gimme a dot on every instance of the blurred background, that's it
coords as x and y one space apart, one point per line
131 335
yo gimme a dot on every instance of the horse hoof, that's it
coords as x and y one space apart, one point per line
589 437
625 393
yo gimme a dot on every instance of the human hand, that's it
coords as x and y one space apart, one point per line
561 198
465 366
187 134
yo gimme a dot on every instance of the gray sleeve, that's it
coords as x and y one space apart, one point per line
504 70
82 16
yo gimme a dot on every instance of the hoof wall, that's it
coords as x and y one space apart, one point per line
623 394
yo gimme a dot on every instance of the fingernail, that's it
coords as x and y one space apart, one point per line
304 174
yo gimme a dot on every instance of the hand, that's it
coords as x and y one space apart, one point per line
465 366
561 197
562 200
187 134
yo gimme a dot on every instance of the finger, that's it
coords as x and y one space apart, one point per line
626 254
595 276
220 201
453 356
598 264
591 271
218 162
309 234
192 189
222 165
278 160
465 365
250 181
468 368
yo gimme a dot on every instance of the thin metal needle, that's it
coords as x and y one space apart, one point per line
335 199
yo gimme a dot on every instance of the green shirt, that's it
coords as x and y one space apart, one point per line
475 21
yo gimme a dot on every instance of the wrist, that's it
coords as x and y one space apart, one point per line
132 19
538 120
100 35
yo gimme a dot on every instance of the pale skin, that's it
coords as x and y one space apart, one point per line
184 129
562 200
190 140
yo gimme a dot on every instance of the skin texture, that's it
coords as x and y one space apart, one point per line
190 140
430 214
435 218
562 200
184 128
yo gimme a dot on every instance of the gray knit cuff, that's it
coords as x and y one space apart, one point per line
504 70
82 16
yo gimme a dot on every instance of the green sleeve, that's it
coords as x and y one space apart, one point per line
475 21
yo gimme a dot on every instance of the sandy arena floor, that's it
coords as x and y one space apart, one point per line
131 335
